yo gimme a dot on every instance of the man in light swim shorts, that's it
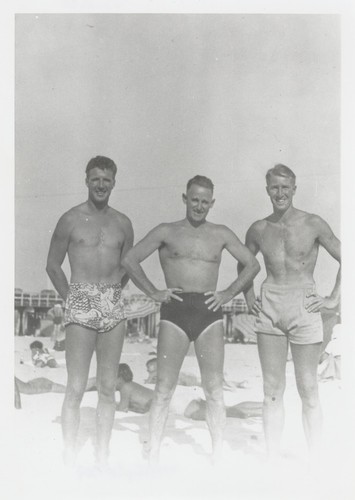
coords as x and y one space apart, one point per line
288 310
190 254
95 237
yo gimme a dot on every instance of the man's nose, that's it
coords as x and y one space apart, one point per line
101 183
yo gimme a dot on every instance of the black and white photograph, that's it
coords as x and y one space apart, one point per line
179 326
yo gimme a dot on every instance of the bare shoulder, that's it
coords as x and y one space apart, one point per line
161 232
316 222
222 231
69 218
257 228
120 218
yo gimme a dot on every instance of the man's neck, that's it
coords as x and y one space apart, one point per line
97 207
195 224
284 217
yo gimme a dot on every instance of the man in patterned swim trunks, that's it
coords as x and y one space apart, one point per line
288 311
190 252
95 237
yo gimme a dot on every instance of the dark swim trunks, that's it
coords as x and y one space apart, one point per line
192 315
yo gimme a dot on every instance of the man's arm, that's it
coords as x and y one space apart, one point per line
330 242
127 245
131 262
57 251
251 242
250 268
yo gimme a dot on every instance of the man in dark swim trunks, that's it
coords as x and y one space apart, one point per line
190 254
95 237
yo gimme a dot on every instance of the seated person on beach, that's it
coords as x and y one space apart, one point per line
189 379
40 355
330 359
38 385
133 396
196 409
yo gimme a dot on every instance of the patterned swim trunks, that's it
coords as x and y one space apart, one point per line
98 306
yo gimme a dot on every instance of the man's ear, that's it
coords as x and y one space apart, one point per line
184 198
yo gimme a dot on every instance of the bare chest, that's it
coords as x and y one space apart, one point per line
91 232
193 246
295 242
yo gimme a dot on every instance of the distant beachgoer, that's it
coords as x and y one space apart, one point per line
18 405
151 366
37 326
133 397
245 325
330 360
41 356
38 385
196 409
95 237
57 316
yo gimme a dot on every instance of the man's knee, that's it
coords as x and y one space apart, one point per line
274 390
106 390
74 393
308 391
164 390
213 388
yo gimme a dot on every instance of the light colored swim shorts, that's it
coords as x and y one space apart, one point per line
98 306
283 312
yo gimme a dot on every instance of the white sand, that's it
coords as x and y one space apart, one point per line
185 470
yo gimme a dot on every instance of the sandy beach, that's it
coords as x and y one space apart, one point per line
185 470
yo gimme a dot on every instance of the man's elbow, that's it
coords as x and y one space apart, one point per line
255 268
128 263
50 269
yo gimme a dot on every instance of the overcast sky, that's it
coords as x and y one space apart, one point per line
168 97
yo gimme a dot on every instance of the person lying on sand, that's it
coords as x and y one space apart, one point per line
38 385
196 409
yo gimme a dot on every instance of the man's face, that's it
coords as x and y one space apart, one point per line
281 190
198 200
100 184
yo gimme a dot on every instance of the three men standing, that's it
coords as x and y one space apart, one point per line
98 241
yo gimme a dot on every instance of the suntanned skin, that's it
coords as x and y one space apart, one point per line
95 237
133 397
289 240
190 254
196 409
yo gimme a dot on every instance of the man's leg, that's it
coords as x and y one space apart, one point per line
209 347
273 355
306 358
108 352
80 345
172 347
